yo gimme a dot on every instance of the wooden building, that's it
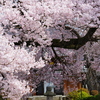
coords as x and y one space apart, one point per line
70 86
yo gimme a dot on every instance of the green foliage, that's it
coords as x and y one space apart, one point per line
78 95
82 94
83 89
89 98
94 92
96 97
73 95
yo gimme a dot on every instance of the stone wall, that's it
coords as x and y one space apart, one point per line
57 97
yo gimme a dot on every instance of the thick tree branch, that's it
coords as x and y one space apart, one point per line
74 43
90 33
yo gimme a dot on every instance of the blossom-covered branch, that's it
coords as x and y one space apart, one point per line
74 43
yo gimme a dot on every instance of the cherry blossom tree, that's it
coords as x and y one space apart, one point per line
45 34
15 64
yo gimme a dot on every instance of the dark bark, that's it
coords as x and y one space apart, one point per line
91 80
74 43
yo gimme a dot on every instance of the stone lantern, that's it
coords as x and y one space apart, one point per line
49 93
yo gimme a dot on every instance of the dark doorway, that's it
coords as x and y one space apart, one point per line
58 91
40 89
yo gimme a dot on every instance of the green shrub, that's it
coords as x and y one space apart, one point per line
89 98
94 92
73 95
78 95
82 94
96 97
84 89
